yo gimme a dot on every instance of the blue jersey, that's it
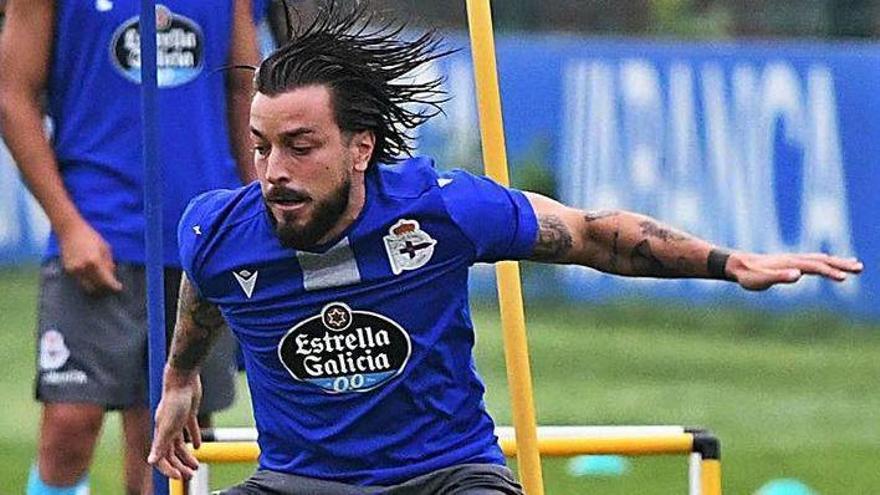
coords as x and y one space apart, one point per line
359 354
94 100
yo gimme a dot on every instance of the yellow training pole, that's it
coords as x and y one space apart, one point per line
176 487
516 352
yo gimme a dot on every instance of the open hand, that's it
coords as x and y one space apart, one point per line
176 417
762 271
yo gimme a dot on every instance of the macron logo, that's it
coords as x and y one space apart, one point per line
247 281
103 5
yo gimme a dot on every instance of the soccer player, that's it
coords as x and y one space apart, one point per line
344 278
83 56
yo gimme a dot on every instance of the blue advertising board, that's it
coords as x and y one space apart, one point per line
761 146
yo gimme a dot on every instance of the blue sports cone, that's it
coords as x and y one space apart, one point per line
788 486
598 465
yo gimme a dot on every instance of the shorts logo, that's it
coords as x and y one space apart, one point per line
408 246
344 350
53 351
179 49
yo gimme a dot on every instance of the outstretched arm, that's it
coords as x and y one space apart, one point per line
198 323
630 244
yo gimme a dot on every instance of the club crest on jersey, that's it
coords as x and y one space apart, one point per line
343 350
180 48
408 246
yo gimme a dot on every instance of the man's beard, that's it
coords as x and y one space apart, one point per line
325 216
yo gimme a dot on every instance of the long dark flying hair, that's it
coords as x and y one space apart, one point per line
367 62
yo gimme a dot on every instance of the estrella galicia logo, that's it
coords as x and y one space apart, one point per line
179 49
343 350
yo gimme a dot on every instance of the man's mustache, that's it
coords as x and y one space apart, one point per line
286 194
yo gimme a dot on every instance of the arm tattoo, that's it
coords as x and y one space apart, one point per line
634 245
554 239
643 260
197 324
615 252
592 216
666 234
205 314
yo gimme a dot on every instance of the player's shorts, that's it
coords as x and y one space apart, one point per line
93 349
465 479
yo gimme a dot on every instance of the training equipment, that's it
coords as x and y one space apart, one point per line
225 445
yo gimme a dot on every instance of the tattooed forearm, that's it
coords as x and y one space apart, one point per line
615 253
617 241
630 244
554 239
205 314
197 324
653 229
592 216
644 262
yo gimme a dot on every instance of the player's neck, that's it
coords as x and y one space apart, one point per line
357 197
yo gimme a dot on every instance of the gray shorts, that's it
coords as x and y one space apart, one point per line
94 348
464 479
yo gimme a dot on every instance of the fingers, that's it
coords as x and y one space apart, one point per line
816 267
848 265
105 277
788 276
165 468
89 259
97 277
185 455
194 431
172 467
764 279
829 266
177 463
174 459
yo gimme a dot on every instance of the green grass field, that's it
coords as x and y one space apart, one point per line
789 397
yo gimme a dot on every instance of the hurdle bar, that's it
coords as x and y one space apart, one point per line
238 445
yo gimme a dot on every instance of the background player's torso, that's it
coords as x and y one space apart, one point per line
94 101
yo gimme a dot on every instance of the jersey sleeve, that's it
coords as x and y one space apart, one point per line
499 221
192 233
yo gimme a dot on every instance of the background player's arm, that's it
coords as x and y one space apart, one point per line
25 55
243 51
630 244
198 324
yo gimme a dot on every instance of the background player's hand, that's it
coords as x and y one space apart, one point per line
87 256
761 271
175 423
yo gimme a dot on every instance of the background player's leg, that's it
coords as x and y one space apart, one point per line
136 431
68 433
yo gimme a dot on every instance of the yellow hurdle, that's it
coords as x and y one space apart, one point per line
236 445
